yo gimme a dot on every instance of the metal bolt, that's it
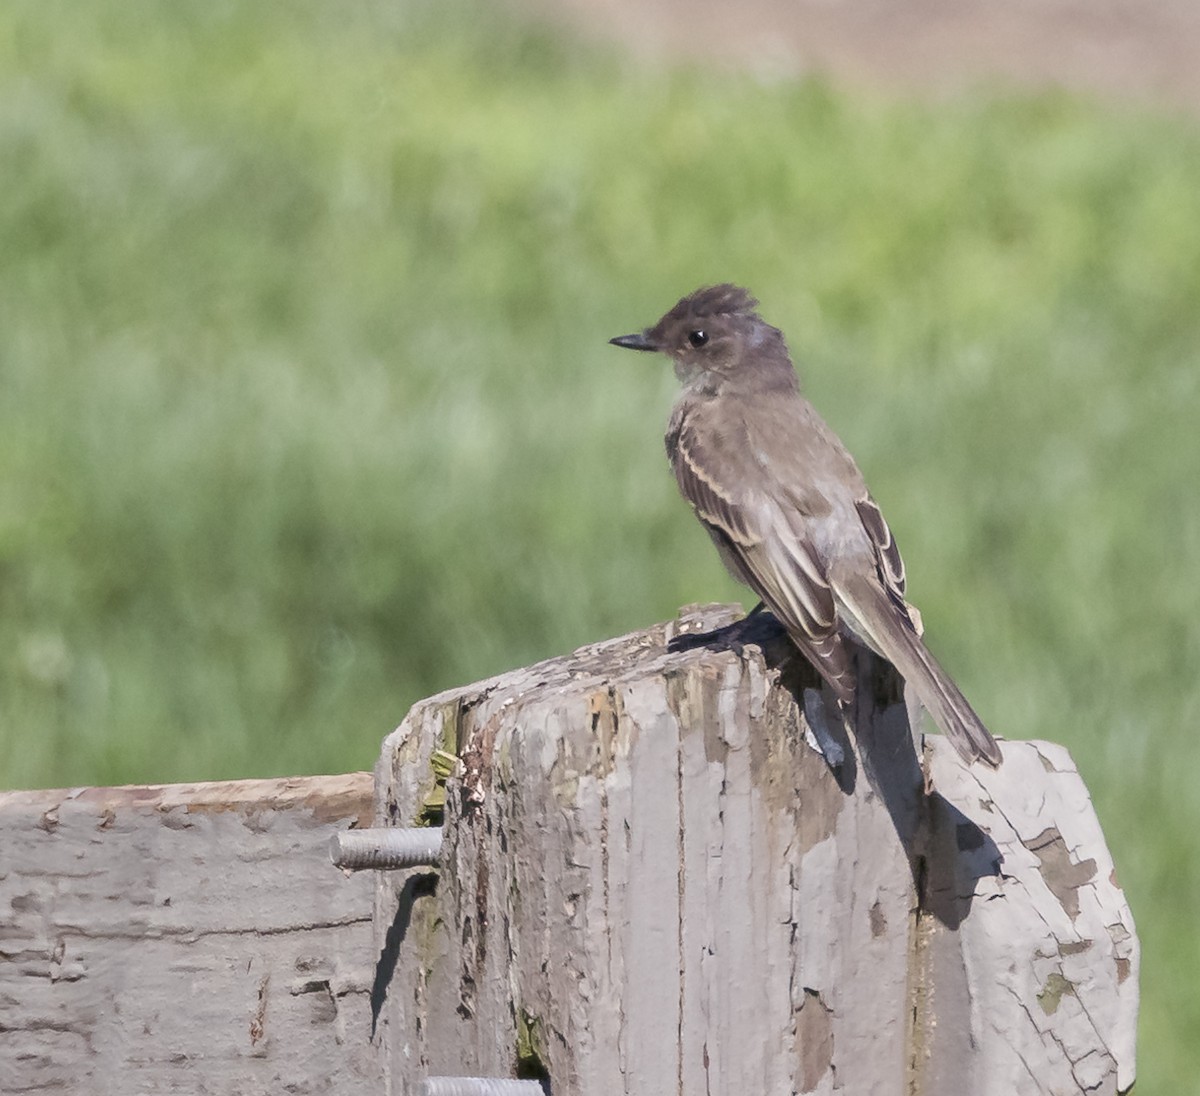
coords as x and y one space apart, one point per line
478 1086
387 848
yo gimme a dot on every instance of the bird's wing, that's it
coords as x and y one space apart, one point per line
816 470
889 567
760 541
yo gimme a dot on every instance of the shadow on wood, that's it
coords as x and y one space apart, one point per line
417 885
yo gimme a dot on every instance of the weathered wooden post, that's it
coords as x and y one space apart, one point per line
651 884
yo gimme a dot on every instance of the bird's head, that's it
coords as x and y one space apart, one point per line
714 335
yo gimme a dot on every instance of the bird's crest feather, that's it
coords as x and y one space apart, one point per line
718 300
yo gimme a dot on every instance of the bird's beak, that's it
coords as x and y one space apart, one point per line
634 342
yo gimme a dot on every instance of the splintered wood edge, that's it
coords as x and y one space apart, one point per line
331 798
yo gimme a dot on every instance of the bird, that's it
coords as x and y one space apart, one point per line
788 508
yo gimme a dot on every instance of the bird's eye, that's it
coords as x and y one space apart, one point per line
697 338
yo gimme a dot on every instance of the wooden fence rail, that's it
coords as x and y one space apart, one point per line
187 938
648 883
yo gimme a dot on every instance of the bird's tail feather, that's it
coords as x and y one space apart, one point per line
893 637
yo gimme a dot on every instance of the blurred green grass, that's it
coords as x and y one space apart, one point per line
306 409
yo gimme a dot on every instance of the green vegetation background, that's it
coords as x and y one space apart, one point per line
306 409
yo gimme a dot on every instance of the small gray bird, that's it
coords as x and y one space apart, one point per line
787 507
